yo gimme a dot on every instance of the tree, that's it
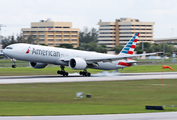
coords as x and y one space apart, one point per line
87 36
65 45
88 46
101 49
117 49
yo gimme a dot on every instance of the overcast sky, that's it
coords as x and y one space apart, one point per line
17 14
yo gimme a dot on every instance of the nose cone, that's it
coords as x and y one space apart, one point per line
4 51
7 51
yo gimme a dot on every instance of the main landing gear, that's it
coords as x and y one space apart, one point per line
85 73
13 64
62 72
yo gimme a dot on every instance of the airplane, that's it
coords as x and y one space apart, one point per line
40 56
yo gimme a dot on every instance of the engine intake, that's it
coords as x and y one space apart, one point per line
37 65
77 63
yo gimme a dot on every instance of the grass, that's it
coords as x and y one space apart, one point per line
107 97
20 71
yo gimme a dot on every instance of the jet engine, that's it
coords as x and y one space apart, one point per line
37 65
77 63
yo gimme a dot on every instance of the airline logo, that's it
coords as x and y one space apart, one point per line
129 48
28 50
45 52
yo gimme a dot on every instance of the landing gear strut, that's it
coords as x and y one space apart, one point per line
85 73
13 64
62 72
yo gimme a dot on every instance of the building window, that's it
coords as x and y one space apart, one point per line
50 39
33 31
58 40
25 31
73 39
74 31
66 31
74 35
107 32
26 35
66 39
41 31
50 35
125 25
50 31
57 44
66 27
49 26
41 35
126 33
74 43
58 35
106 40
66 35
34 27
106 36
106 29
42 27
58 31
126 29
106 25
124 40
50 44
58 27
41 39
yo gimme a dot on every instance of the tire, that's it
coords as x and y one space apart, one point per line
81 73
14 66
89 74
66 73
58 72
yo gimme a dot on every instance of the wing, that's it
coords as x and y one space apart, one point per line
106 59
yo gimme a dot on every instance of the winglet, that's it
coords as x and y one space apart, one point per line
130 46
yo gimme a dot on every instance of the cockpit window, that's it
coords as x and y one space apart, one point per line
9 48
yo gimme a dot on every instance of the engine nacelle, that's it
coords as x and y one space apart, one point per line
37 65
77 63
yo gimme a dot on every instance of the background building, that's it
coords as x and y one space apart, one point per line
120 31
52 33
165 40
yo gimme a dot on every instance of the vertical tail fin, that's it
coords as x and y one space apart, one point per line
130 46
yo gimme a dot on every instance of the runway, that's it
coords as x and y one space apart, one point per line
95 77
137 116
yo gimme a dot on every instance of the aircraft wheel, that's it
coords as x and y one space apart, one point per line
66 73
58 72
89 74
14 66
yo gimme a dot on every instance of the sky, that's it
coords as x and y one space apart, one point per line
17 14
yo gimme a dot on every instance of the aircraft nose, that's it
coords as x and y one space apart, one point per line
4 51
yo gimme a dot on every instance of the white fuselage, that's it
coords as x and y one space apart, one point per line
57 56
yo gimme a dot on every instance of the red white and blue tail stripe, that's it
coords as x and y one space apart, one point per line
130 46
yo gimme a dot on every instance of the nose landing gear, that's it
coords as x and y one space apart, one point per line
13 64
